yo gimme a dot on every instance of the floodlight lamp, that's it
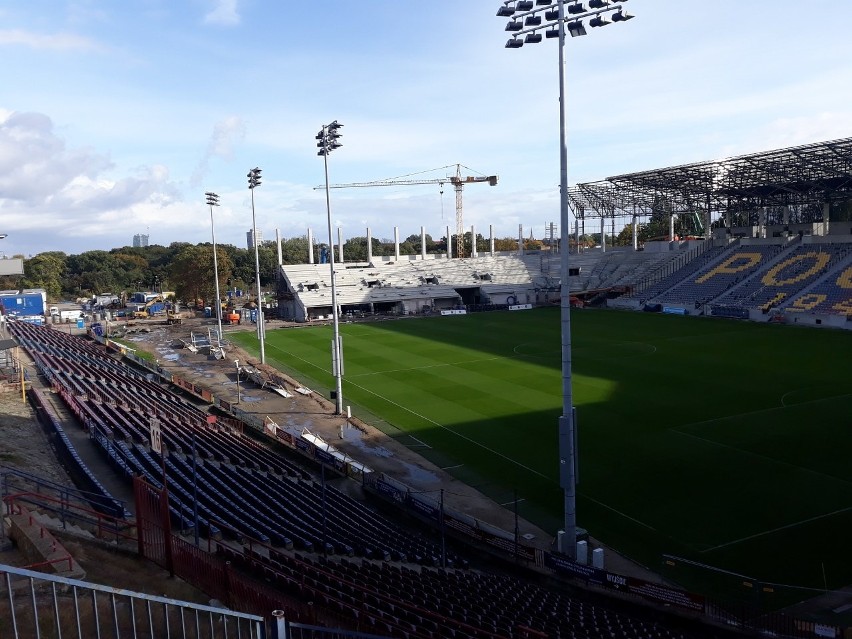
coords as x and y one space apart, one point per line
597 4
335 125
551 15
576 28
514 43
621 16
3 236
319 136
505 12
598 21
514 25
525 5
532 21
551 33
533 38
542 3
576 8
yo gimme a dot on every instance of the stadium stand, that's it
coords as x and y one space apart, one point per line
116 405
786 276
714 279
431 603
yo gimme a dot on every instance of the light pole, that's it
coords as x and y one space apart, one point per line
213 200
329 140
237 365
253 183
526 21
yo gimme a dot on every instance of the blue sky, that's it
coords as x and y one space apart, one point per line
116 117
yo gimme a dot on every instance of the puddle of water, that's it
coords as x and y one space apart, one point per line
171 358
353 436
420 475
249 399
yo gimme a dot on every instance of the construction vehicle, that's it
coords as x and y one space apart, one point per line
174 317
152 307
456 180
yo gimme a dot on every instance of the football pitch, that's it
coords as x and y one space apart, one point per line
727 443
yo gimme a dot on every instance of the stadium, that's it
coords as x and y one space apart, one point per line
708 378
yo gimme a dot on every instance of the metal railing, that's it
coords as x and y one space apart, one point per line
35 605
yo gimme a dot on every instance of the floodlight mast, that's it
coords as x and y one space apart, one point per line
328 141
213 200
555 25
254 182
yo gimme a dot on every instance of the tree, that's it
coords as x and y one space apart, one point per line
191 272
505 244
294 250
45 270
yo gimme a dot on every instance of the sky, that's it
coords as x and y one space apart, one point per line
117 117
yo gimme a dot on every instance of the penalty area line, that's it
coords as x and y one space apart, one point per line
420 443
775 530
618 512
450 430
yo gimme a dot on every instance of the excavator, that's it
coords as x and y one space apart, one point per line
155 305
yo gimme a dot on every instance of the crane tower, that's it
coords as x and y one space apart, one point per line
458 181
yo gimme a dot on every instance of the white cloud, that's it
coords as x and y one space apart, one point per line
57 41
34 163
224 13
53 191
226 134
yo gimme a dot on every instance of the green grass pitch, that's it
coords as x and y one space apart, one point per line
729 443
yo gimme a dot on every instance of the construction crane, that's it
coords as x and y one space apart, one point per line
457 180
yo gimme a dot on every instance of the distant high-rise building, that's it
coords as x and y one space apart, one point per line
250 238
140 239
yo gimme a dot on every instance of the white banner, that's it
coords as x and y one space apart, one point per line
454 312
520 307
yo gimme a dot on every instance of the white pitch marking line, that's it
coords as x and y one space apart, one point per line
774 530
761 410
767 458
514 501
420 442
452 467
618 512
450 430
420 368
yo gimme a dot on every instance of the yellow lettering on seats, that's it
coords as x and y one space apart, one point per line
807 302
734 264
844 280
820 261
844 307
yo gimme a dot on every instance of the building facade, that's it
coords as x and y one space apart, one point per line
250 238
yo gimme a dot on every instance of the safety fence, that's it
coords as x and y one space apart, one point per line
35 605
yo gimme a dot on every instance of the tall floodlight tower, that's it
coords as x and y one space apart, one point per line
253 183
213 200
329 140
526 25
